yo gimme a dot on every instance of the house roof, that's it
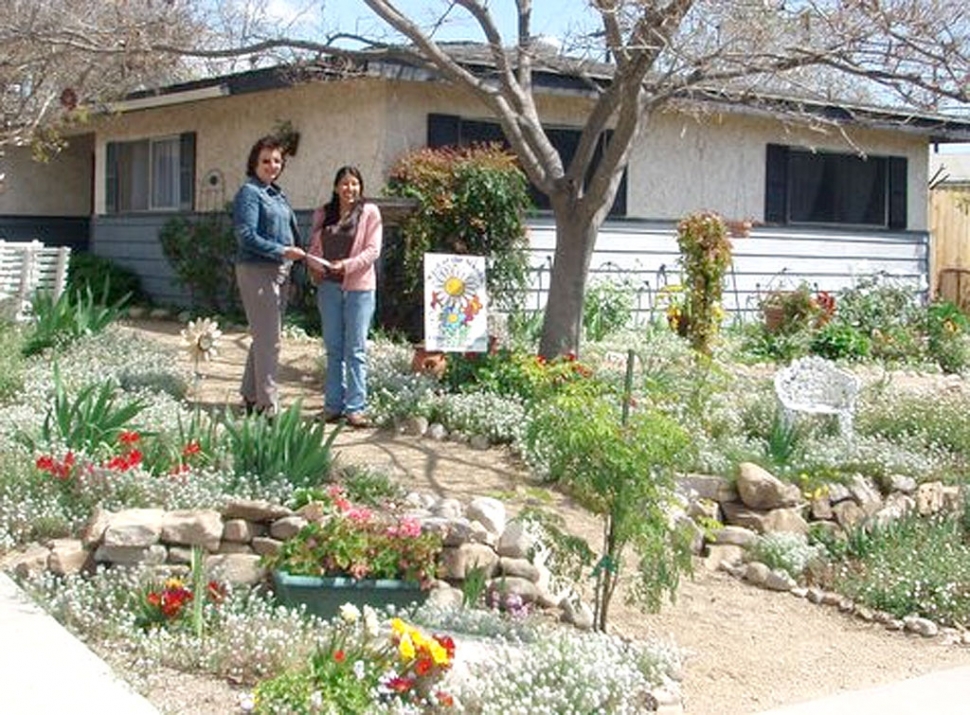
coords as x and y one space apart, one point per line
553 73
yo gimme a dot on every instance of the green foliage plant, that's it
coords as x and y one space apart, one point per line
473 586
285 445
837 340
786 551
947 331
471 200
62 320
513 373
89 421
11 359
607 307
622 472
200 251
914 565
88 270
705 256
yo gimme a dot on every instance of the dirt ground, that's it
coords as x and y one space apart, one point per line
748 649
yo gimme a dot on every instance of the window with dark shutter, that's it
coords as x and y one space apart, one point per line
450 130
805 187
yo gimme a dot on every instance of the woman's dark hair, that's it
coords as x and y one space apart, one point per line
267 142
331 210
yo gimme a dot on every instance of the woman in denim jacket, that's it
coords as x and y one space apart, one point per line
267 236
347 235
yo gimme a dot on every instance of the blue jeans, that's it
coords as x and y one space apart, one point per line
345 317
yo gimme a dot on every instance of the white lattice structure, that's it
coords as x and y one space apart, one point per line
28 267
816 386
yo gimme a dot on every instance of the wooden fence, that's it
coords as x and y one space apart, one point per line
950 248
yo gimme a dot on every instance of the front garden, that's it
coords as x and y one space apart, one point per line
96 419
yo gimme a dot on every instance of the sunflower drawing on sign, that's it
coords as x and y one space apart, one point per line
455 303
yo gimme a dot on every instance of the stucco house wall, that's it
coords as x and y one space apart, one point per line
682 162
60 187
717 162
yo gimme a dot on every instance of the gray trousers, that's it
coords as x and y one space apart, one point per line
263 298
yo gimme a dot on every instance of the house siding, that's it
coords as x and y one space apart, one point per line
645 254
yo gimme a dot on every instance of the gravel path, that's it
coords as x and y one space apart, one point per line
748 650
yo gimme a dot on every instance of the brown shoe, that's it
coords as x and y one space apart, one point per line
329 417
357 420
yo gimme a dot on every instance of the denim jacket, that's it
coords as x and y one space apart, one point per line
263 221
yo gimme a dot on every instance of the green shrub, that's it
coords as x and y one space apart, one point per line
201 251
786 551
607 307
839 340
878 303
472 200
89 271
947 336
621 472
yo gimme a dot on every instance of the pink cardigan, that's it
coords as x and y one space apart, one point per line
359 273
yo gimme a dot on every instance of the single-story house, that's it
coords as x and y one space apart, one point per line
825 208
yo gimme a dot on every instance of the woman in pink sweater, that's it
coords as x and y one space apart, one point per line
347 235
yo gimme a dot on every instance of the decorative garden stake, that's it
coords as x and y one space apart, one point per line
201 340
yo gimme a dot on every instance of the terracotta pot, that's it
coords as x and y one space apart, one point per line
429 362
774 317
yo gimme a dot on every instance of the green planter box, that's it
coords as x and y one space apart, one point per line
324 595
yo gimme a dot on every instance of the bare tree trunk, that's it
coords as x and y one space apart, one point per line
562 325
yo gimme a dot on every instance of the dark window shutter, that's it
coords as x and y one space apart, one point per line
111 178
187 171
443 130
897 192
776 184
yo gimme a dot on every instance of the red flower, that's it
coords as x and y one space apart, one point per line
423 666
340 656
45 463
127 437
216 591
191 448
448 643
444 699
400 685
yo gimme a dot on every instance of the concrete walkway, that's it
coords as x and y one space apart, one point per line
44 669
946 692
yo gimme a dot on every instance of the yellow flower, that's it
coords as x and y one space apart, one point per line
406 648
438 654
399 627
